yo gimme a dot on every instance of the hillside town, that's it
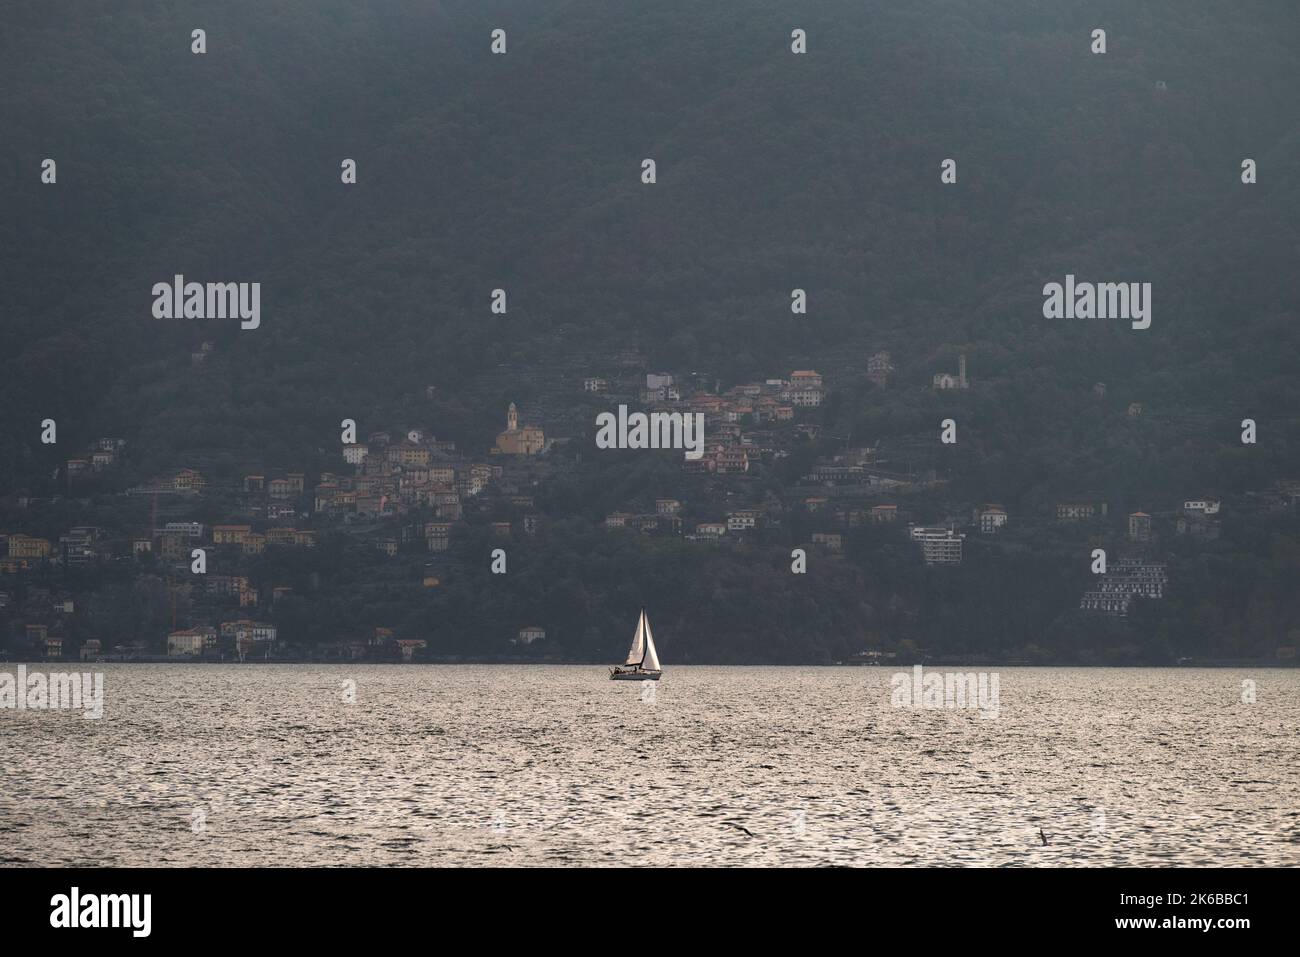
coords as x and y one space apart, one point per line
408 497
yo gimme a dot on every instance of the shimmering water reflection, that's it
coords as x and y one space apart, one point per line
468 765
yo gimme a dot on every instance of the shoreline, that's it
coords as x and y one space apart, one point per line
514 662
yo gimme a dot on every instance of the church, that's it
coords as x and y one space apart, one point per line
516 441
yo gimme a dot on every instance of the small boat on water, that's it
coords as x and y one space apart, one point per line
642 662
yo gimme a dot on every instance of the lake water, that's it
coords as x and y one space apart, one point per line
515 765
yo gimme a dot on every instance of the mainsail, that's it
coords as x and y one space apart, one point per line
637 651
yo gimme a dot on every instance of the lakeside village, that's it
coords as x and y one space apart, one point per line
408 495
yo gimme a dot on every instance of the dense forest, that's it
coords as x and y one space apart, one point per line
774 171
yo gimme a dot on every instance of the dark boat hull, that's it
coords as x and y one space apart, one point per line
618 675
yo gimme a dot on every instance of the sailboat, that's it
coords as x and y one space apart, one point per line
642 660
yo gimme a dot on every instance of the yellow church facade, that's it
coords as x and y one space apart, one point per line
516 441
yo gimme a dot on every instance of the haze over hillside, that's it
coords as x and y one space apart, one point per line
775 171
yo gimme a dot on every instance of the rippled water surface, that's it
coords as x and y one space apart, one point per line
504 765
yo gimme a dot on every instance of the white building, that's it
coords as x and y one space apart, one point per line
804 398
742 521
185 529
1130 578
530 634
939 545
946 380
991 518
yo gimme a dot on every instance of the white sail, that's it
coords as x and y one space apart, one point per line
637 651
651 660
